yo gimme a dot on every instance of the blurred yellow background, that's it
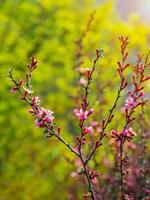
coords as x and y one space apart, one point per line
32 167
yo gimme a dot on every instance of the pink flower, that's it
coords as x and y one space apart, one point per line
44 116
48 117
87 130
39 123
130 103
81 114
126 134
83 81
35 101
94 124
14 90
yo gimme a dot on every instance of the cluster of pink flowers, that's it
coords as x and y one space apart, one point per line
43 116
135 96
87 130
130 103
132 100
126 134
82 114
35 102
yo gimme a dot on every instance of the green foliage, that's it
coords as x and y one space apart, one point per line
31 167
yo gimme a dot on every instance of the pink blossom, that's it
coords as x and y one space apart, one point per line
49 117
44 116
83 81
128 133
87 130
39 123
81 114
130 103
14 90
83 141
125 132
35 101
94 124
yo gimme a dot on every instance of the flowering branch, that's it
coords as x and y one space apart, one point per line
83 113
123 84
133 101
44 118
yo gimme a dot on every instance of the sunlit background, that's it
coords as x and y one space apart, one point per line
134 7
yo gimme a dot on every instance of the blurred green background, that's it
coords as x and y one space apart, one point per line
32 167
